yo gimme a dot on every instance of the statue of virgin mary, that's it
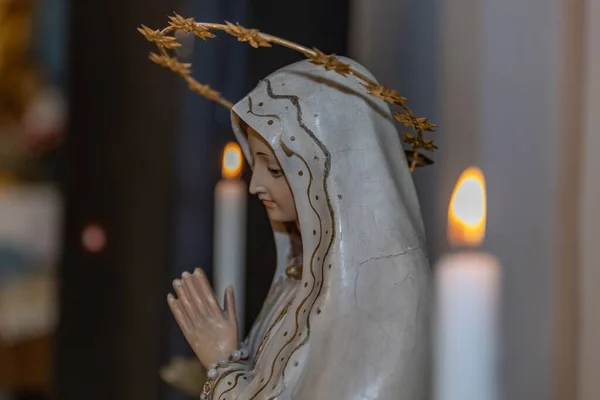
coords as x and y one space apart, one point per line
347 315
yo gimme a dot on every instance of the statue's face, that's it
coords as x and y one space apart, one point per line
268 181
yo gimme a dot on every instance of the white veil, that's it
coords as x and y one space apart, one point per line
358 325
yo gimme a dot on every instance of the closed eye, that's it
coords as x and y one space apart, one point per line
275 172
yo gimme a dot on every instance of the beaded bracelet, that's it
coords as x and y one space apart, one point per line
213 372
237 355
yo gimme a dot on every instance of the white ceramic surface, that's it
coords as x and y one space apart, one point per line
357 325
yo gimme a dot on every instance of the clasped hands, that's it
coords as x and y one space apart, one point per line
210 330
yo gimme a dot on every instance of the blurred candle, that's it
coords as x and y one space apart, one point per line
230 230
467 293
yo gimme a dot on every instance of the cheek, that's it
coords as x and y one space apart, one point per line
285 198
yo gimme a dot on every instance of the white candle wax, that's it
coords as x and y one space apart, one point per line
466 342
230 242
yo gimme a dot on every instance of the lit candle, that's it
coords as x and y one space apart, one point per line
467 291
230 230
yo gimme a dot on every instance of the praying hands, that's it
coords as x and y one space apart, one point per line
210 330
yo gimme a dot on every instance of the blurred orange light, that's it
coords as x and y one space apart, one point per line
232 161
467 210
93 238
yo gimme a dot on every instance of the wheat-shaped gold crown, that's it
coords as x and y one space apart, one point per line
165 41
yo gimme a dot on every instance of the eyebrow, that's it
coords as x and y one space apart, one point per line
269 158
261 154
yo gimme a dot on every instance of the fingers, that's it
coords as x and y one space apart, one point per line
184 300
206 295
229 302
193 295
196 296
180 316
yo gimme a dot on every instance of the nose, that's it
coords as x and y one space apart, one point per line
256 183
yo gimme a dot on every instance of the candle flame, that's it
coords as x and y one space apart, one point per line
467 210
232 161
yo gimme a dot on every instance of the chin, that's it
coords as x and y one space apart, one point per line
277 216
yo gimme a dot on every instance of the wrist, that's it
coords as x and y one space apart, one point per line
235 356
215 370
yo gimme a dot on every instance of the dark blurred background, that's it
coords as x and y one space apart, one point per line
108 165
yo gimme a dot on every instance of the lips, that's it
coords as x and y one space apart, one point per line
268 203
